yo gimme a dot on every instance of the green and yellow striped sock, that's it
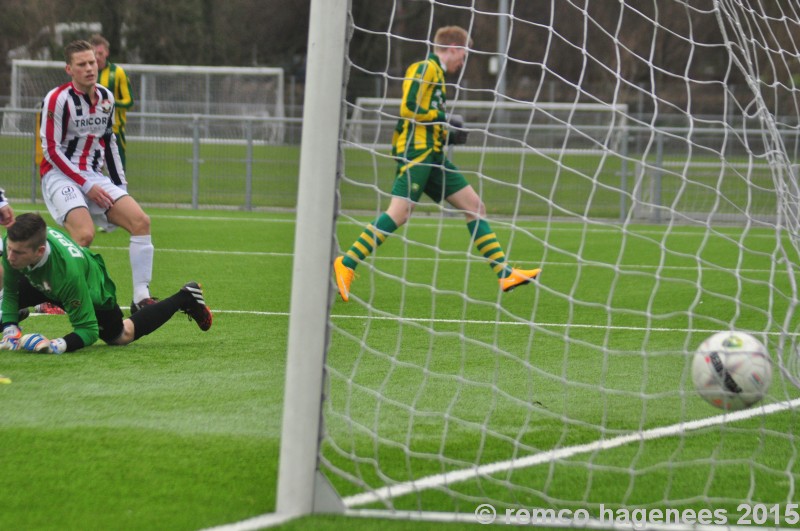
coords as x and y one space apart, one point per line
372 237
487 244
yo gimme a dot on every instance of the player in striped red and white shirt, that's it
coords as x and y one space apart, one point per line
77 144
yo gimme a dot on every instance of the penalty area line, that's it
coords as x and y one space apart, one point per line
477 322
390 492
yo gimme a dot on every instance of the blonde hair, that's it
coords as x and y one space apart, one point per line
447 36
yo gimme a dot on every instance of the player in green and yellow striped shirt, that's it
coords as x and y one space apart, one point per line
418 145
113 77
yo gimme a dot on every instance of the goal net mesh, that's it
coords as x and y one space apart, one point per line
643 155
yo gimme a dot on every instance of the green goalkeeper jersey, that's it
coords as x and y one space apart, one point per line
69 274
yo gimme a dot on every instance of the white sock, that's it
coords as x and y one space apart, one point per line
141 251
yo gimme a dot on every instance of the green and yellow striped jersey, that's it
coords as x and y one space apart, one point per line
114 79
422 111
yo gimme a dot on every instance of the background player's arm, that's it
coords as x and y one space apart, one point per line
122 92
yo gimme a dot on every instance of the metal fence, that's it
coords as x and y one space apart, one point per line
204 161
184 160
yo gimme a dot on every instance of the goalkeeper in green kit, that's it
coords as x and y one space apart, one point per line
42 264
422 132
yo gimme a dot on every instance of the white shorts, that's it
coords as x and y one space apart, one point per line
62 195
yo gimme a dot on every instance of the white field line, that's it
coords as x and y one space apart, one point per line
479 322
200 251
460 259
257 522
458 224
449 478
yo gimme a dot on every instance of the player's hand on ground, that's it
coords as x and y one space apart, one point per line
41 345
11 338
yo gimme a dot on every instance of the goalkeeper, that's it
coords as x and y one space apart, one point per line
418 144
43 264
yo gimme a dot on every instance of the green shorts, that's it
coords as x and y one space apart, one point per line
434 175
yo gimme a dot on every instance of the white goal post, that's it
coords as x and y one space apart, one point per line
433 395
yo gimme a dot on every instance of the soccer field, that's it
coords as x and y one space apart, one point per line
430 371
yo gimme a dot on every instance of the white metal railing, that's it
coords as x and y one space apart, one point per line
649 159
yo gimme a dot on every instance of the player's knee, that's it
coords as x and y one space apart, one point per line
80 226
475 207
140 225
127 335
400 212
84 236
401 217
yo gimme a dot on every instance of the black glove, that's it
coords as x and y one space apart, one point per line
456 134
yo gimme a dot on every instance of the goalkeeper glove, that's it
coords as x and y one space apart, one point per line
11 337
456 134
41 345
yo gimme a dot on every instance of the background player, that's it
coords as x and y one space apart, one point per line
77 143
113 77
58 269
422 166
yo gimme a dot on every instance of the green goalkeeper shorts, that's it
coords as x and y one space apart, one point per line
431 173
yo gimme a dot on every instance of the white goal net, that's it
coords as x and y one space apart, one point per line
642 154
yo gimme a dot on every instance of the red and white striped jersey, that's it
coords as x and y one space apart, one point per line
77 136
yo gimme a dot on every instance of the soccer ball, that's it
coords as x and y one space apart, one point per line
732 370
